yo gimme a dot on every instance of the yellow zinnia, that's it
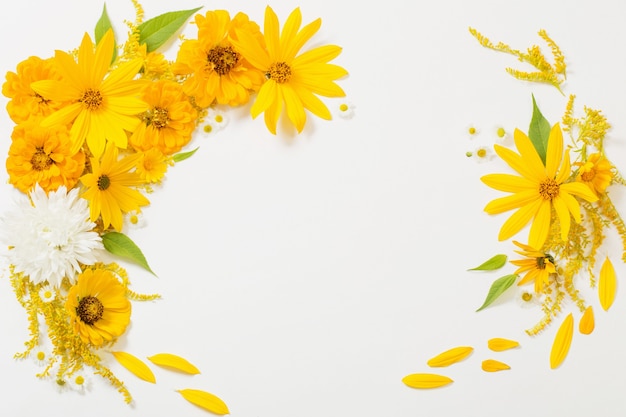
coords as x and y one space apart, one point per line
538 267
216 70
100 108
109 189
98 307
538 189
292 81
596 173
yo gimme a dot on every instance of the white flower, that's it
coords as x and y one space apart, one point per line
47 294
79 382
482 154
503 136
472 131
50 237
346 110
528 298
40 356
134 220
216 120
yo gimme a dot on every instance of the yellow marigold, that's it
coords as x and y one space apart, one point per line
25 102
154 63
40 155
596 173
152 165
170 120
216 71
98 307
538 266
109 187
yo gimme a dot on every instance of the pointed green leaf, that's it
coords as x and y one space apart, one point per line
156 31
496 262
539 132
497 288
184 155
121 245
102 26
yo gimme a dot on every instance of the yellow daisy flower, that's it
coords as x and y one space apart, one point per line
25 102
292 81
100 108
537 190
596 173
152 165
42 156
98 308
217 71
109 189
538 266
169 122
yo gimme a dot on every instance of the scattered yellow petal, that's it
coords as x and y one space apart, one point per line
498 344
587 322
450 356
135 365
205 400
425 381
174 362
607 284
492 365
562 341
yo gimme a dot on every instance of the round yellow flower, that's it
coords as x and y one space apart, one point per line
42 156
169 122
217 72
98 307
596 173
538 266
152 166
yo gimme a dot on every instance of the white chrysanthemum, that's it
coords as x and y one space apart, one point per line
134 220
40 356
51 237
216 120
79 382
47 294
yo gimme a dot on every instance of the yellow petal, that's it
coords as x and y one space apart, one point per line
587 322
135 365
562 341
607 284
174 362
205 400
425 381
498 344
492 365
450 356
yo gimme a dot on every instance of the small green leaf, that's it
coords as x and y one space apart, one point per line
156 31
539 132
496 262
497 288
183 155
121 245
102 26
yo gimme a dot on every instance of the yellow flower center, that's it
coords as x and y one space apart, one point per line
279 72
343 107
223 59
159 118
219 118
89 310
588 175
208 128
481 153
134 219
501 132
47 294
41 160
527 296
103 182
41 356
92 99
548 189
79 380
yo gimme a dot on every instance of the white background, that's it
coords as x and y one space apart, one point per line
306 275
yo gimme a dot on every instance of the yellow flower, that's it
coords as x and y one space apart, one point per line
154 63
42 156
539 189
100 108
538 266
25 102
217 71
109 189
152 165
596 173
169 122
98 308
292 81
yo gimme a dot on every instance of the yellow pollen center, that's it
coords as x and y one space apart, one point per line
343 107
589 175
41 356
134 219
223 59
79 380
279 72
472 130
103 182
527 296
159 117
481 153
548 189
41 160
90 310
47 294
208 128
501 132
92 99
219 118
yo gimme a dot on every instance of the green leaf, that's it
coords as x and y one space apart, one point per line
184 155
121 245
102 26
496 262
156 31
497 288
539 132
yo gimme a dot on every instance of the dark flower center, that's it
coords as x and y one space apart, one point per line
158 117
89 310
279 72
223 59
92 99
41 160
549 189
103 182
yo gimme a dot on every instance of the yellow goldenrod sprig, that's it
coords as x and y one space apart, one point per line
553 74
